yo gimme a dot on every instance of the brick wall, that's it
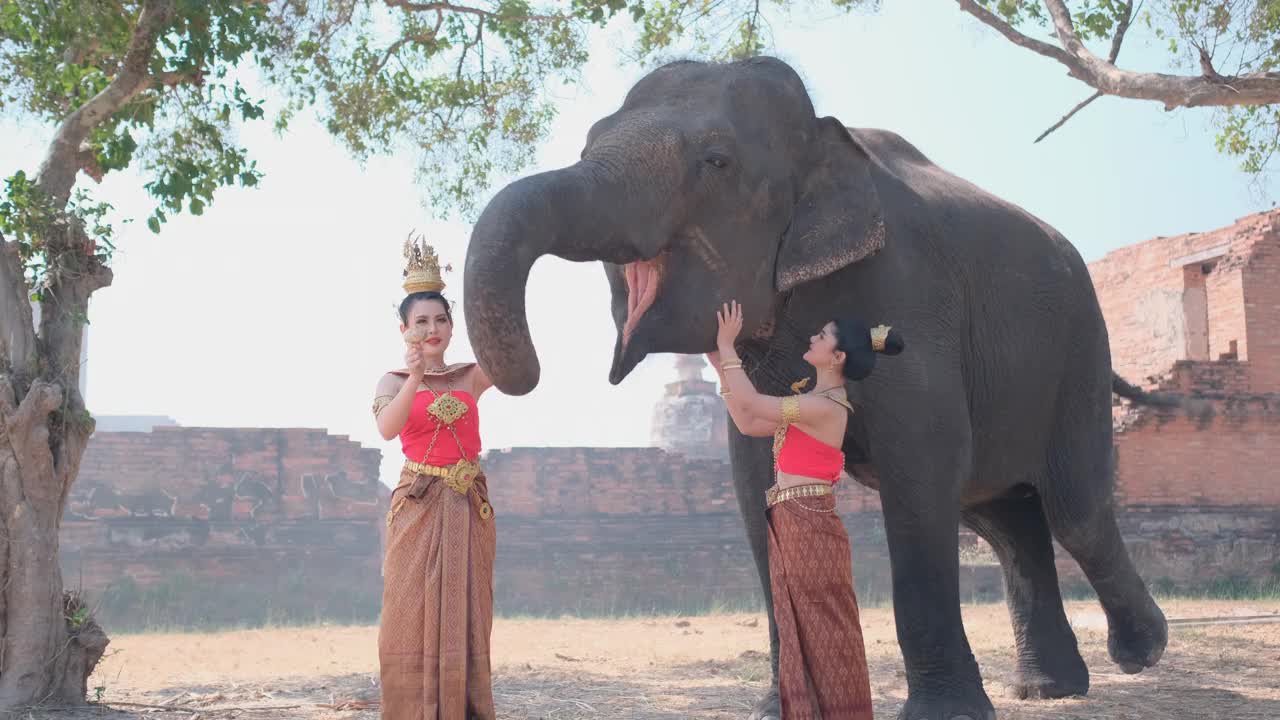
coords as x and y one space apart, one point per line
1219 457
1261 286
192 525
600 530
1163 297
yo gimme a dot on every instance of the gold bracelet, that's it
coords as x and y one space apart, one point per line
736 365
725 392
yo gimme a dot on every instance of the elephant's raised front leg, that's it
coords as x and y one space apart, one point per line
921 471
1137 629
1078 503
752 475
1049 662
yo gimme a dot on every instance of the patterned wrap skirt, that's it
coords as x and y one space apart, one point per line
437 602
822 662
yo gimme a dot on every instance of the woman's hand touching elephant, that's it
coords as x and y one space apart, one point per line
729 318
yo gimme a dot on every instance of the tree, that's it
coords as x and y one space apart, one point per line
156 85
125 83
1230 47
464 84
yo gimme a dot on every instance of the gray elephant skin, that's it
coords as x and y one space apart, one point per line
718 181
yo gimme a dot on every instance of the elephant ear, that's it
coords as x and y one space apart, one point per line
838 219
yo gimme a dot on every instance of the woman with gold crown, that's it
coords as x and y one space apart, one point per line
437 598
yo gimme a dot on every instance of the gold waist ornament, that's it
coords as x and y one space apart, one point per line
459 476
775 495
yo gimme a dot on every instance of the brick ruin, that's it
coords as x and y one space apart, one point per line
196 525
1198 488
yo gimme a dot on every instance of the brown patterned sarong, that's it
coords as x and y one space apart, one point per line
822 664
437 603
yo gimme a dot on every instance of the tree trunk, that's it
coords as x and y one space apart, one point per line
48 642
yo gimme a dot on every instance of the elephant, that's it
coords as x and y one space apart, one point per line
718 181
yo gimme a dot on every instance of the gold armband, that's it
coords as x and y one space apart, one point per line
733 365
380 403
790 409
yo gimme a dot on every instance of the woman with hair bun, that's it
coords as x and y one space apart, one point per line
822 664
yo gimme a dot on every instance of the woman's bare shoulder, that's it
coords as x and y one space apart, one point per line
390 384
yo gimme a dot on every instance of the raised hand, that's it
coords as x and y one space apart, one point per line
729 318
413 357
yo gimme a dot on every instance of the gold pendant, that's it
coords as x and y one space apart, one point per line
486 511
447 408
462 475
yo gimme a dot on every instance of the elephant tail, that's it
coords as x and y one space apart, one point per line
1129 391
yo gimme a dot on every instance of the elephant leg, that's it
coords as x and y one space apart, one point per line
1049 662
753 474
1137 630
1077 501
921 474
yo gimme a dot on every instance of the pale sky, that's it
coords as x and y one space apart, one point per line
276 308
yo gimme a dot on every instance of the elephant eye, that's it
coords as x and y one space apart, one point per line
718 161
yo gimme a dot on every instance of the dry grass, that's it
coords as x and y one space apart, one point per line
708 667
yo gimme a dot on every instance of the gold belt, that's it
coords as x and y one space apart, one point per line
775 495
459 476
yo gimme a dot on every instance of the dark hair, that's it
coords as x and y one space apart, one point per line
426 295
853 338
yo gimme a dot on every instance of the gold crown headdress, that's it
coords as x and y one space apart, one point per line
422 270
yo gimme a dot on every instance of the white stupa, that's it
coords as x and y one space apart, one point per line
691 418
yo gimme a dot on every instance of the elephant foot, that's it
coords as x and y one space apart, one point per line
1139 644
1057 675
972 705
1036 688
769 707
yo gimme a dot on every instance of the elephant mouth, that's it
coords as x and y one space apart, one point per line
643 279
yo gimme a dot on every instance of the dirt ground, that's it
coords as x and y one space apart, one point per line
710 667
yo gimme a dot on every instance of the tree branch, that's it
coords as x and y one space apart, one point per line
450 7
1173 91
395 47
73 274
1012 35
58 171
1122 27
17 332
1067 117
1066 29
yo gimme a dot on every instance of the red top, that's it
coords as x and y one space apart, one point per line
802 454
415 438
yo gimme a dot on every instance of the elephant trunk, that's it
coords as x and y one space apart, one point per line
570 213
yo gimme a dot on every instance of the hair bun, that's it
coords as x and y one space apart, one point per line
893 343
886 340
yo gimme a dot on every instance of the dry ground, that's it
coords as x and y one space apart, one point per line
665 668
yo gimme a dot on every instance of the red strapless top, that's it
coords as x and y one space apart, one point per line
804 455
415 438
